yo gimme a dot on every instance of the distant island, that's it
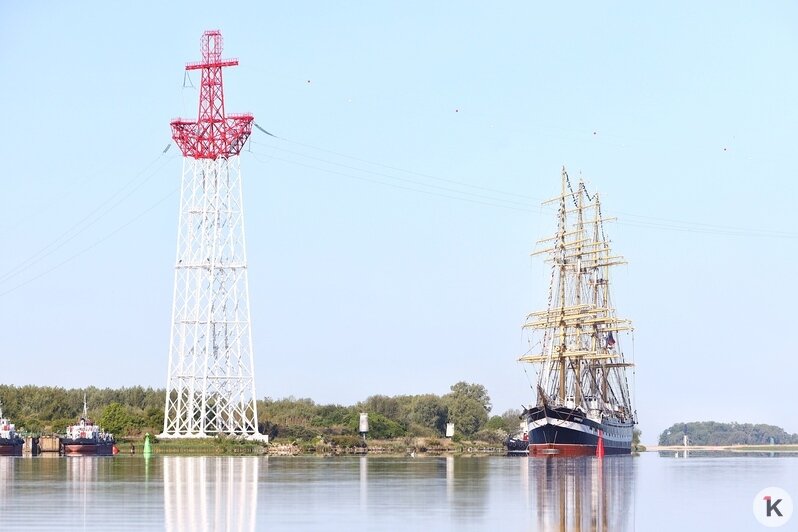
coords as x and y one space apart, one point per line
712 433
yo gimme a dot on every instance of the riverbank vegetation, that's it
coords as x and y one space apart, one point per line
131 412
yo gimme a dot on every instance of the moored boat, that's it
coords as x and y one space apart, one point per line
583 403
87 438
10 442
517 444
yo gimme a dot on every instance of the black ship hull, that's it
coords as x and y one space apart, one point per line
565 431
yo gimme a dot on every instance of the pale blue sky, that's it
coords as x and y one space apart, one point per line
365 278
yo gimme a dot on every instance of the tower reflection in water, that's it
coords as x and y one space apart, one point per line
210 493
584 493
81 475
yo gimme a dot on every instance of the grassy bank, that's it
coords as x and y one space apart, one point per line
780 448
331 447
199 447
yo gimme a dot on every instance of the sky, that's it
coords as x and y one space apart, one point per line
390 220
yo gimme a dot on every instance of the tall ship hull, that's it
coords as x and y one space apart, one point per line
568 432
583 405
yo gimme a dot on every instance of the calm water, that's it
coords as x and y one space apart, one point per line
649 492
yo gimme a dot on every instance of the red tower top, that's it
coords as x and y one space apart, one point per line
213 134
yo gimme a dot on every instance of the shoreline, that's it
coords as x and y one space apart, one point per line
778 448
394 447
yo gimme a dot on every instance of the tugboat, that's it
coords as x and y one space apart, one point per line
517 444
86 438
583 405
10 442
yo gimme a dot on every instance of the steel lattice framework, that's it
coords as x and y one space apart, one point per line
210 385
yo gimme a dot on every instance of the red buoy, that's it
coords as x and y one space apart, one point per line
600 446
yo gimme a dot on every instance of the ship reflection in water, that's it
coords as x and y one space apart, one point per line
210 493
582 493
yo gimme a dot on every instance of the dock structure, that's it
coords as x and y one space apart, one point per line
48 444
31 445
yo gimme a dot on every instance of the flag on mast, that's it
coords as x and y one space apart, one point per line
610 340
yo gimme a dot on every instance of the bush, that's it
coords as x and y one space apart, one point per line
297 432
433 443
380 427
347 440
420 431
491 436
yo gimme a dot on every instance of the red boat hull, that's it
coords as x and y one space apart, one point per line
11 450
88 449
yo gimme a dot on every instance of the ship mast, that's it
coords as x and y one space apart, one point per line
581 360
561 255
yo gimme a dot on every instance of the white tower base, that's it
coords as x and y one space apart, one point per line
211 386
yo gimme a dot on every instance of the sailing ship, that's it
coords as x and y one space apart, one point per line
583 402
10 442
86 438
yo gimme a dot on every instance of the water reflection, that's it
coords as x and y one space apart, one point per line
703 453
585 493
7 471
81 477
467 487
210 493
455 487
364 481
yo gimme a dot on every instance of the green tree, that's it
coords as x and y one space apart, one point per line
116 419
469 405
467 414
496 423
463 390
429 411
153 418
330 415
382 404
512 420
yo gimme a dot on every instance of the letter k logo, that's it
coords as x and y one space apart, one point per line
776 510
771 507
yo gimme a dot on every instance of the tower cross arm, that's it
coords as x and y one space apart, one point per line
197 65
227 139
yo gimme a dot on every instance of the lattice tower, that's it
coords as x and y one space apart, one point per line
210 387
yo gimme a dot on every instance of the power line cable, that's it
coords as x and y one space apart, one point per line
412 172
86 222
392 185
92 246
406 180
658 223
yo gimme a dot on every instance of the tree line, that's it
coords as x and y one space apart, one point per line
50 409
135 410
714 433
467 405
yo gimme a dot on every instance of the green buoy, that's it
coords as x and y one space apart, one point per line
147 446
